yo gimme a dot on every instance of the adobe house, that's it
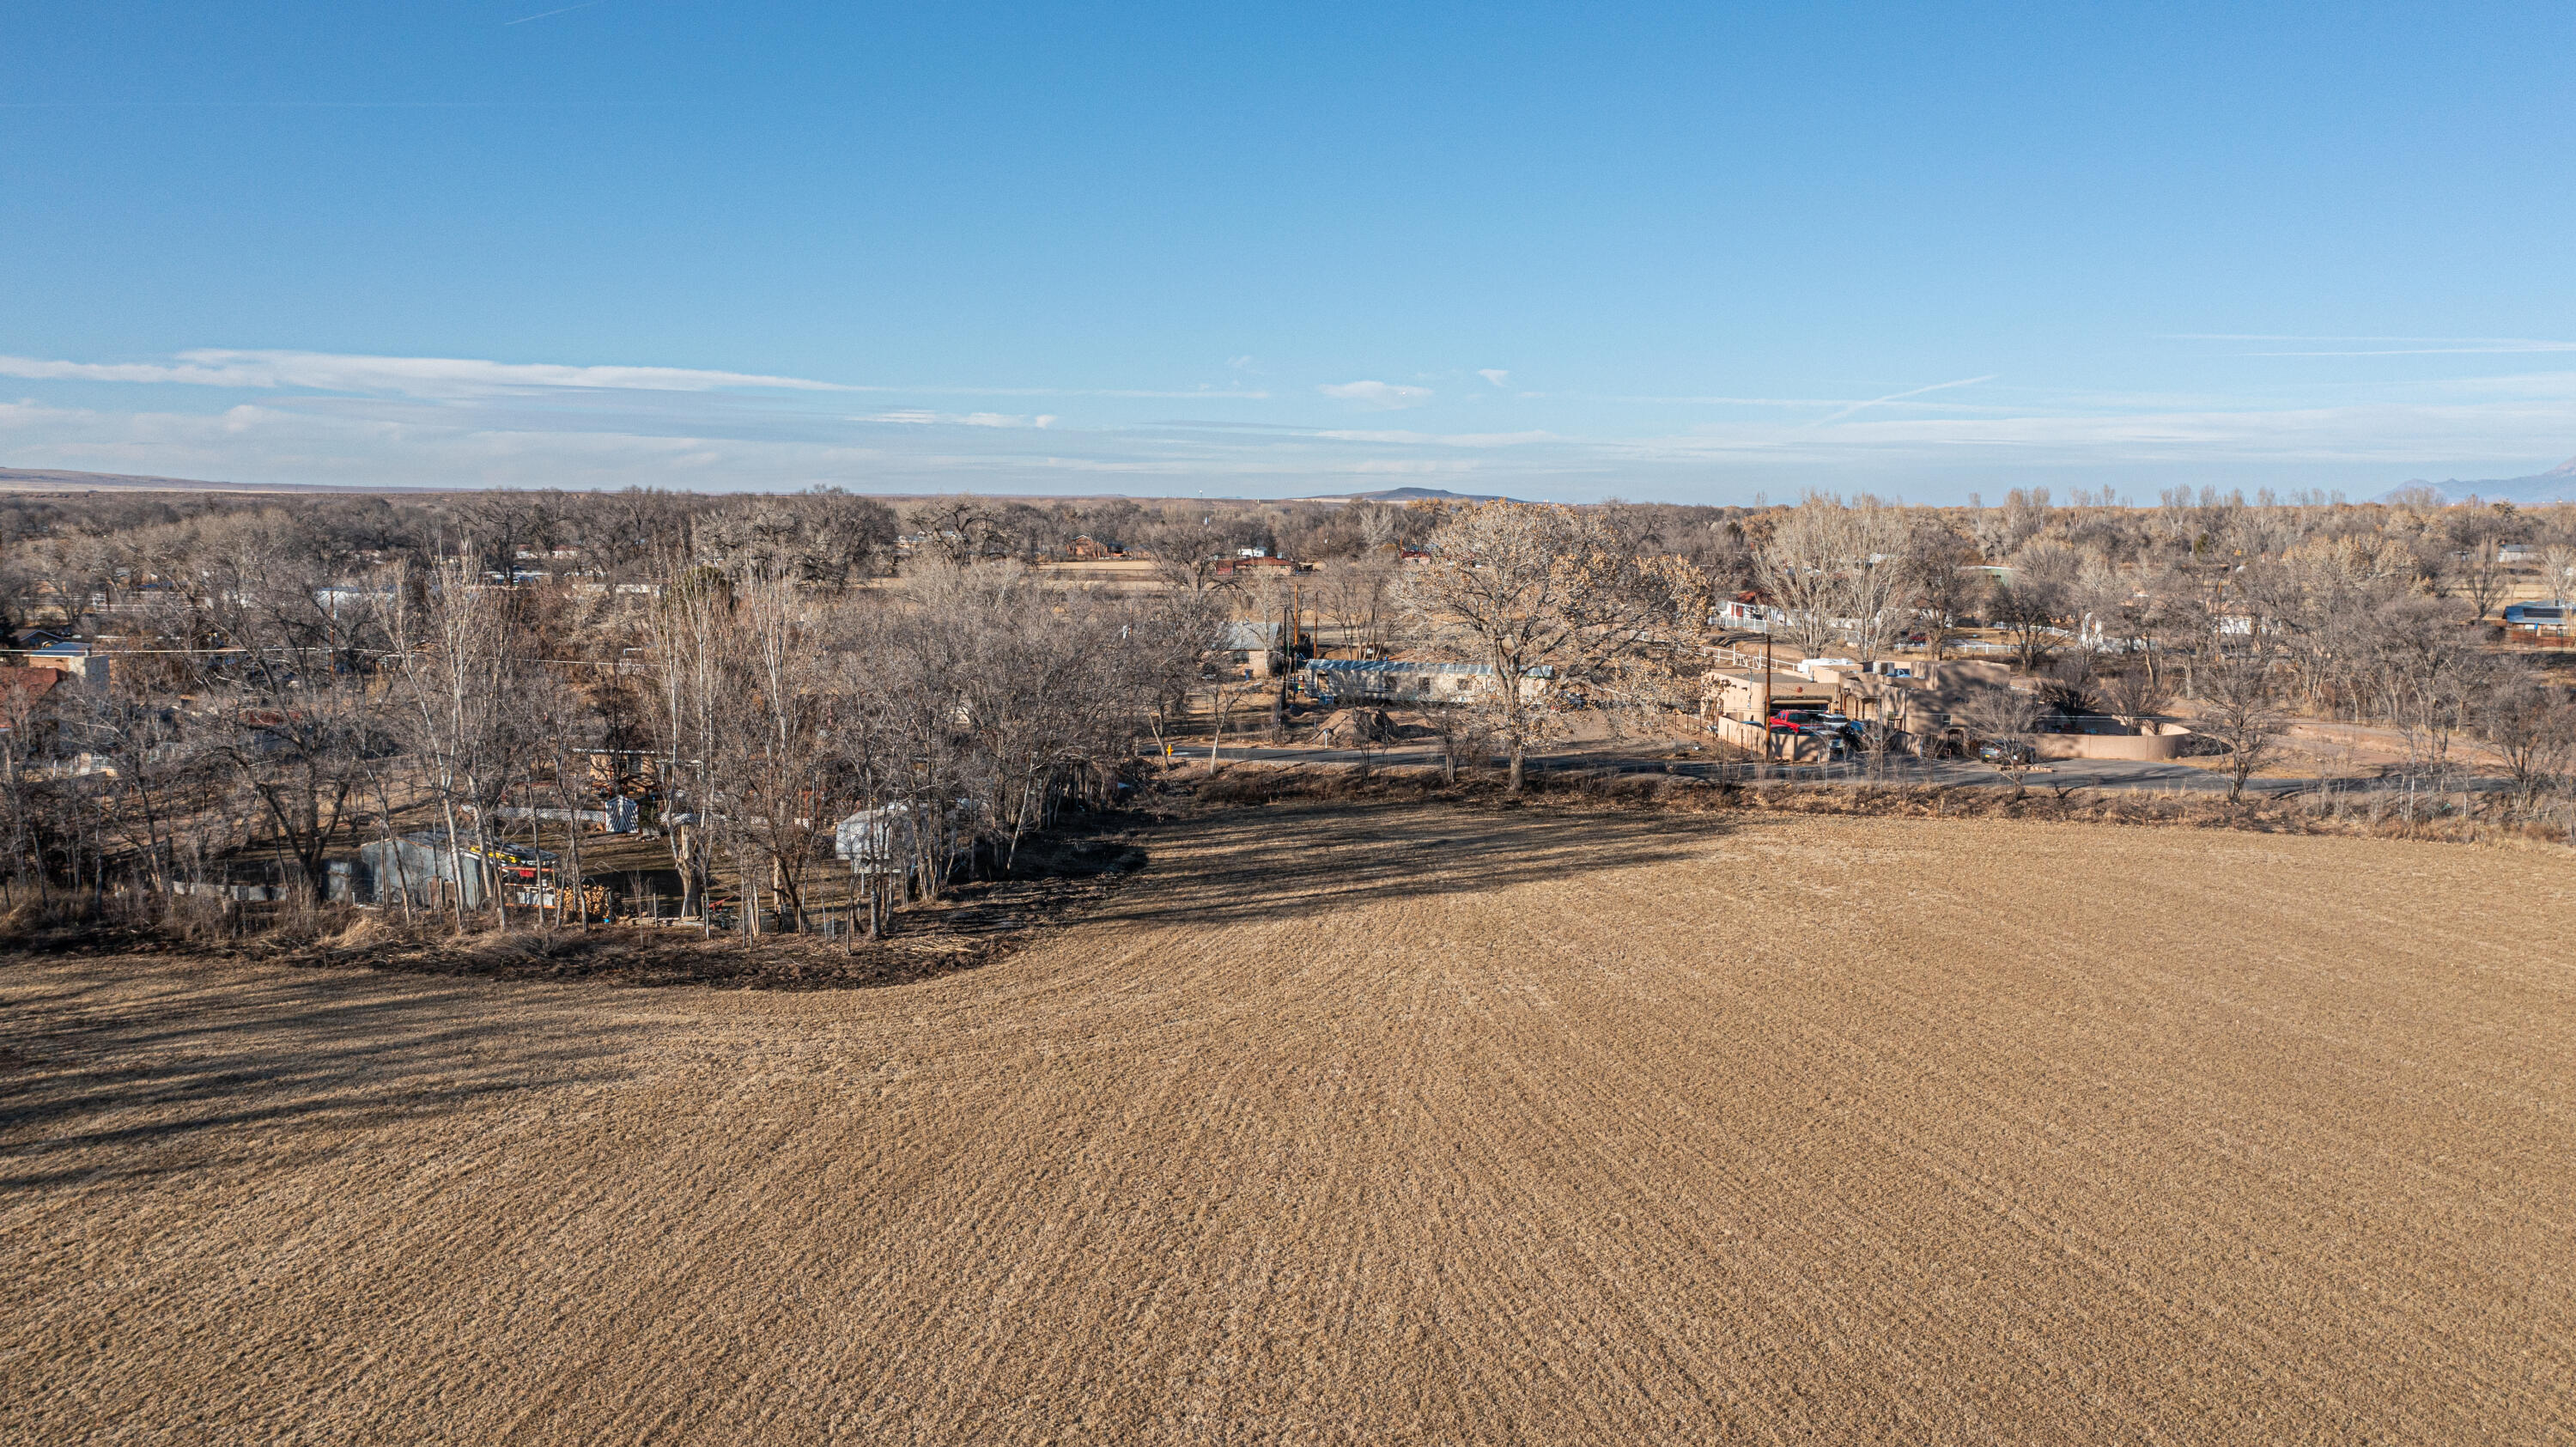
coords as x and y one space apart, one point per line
25 696
76 661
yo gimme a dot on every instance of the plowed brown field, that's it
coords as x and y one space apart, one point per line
1369 1126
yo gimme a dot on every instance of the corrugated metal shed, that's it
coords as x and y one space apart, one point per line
420 865
1247 637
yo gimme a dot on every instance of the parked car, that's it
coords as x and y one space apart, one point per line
1793 719
2002 751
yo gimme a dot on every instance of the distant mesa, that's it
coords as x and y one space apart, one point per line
1408 494
2558 484
28 479
32 479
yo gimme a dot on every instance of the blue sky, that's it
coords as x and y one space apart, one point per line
1694 253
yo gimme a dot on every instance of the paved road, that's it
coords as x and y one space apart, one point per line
2055 774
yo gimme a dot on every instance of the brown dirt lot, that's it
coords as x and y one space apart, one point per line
1365 1124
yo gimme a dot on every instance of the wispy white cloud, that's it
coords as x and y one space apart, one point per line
1901 400
1388 395
2555 385
1496 375
2488 351
1409 467
401 376
325 418
2394 435
465 377
2386 346
1437 439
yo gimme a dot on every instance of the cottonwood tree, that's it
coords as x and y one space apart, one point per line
960 530
1799 565
458 663
2558 571
2135 691
1877 576
826 537
2007 717
1358 596
250 632
2530 728
1187 557
1520 588
1840 570
162 774
295 733
771 771
25 716
1938 569
1170 641
691 624
2427 674
2475 570
2032 599
2240 708
1464 733
564 727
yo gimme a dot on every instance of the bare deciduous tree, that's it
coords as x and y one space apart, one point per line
2240 708
2530 728
1800 564
1939 569
2475 571
1523 588
2007 718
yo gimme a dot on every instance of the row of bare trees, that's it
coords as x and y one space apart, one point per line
278 700
2309 610
2257 615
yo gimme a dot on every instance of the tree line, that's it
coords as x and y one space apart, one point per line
2254 614
288 678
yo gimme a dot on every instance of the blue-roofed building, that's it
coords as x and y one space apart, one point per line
76 659
2540 617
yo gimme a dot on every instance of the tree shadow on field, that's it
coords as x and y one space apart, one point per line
105 1076
1290 860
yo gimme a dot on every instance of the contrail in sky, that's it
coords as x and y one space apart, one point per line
1901 396
542 14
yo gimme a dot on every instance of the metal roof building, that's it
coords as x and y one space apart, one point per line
1409 680
420 866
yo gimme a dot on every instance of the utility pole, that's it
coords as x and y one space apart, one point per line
1765 720
1287 658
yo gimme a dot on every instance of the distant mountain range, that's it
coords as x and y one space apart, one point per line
2558 484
